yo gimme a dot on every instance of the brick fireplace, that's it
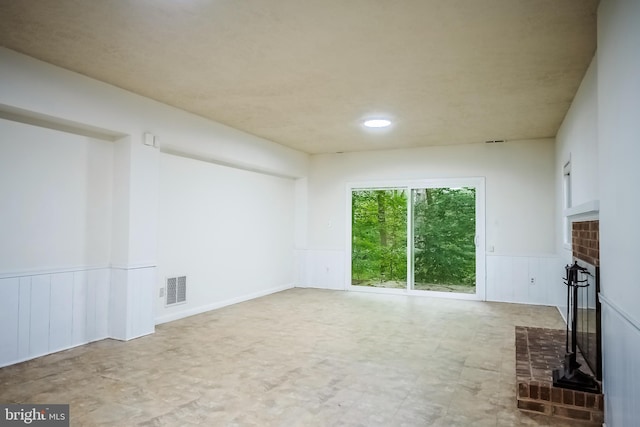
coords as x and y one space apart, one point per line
585 241
540 351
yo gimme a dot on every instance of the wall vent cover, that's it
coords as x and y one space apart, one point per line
176 290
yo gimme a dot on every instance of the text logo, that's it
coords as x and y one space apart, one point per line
34 415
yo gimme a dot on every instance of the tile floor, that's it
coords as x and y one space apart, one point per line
301 357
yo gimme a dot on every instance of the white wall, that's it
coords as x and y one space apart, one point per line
520 201
49 312
55 207
230 231
577 140
55 223
619 151
36 92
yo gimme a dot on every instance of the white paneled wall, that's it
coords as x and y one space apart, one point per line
45 313
323 269
133 315
9 319
509 279
621 341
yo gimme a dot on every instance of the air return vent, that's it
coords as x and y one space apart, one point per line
176 290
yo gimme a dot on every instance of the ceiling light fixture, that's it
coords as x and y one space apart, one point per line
377 123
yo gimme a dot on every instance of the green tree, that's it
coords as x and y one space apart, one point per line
444 231
379 235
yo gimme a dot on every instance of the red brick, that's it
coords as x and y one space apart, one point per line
545 393
534 406
591 401
600 400
574 414
567 397
533 391
523 390
556 395
597 417
579 398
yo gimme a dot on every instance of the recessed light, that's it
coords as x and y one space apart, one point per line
377 123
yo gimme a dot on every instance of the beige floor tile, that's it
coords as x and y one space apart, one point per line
301 357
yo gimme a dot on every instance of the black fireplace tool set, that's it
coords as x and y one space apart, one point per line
569 375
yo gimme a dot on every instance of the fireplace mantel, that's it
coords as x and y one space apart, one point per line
588 211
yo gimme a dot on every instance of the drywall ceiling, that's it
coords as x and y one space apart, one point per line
304 73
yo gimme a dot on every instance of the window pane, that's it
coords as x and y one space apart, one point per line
444 229
379 238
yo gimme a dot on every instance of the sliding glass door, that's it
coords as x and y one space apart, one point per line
443 237
379 238
420 236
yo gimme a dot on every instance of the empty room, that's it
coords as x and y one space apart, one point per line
319 213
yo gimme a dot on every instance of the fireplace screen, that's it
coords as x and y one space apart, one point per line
569 375
588 318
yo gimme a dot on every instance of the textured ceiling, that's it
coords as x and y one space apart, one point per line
304 73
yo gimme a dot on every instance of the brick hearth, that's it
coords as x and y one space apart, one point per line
538 352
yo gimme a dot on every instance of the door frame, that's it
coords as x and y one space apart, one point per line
476 182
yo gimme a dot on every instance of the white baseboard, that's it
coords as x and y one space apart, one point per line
562 314
204 308
31 357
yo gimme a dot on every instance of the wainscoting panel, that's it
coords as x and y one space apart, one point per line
509 279
39 321
324 269
79 317
621 370
118 312
301 273
9 318
61 312
133 291
43 313
142 292
99 282
24 318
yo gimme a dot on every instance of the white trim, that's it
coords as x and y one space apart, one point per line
131 338
479 183
618 310
74 269
204 308
219 160
134 266
562 314
33 118
524 255
414 292
42 272
24 359
584 211
410 241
